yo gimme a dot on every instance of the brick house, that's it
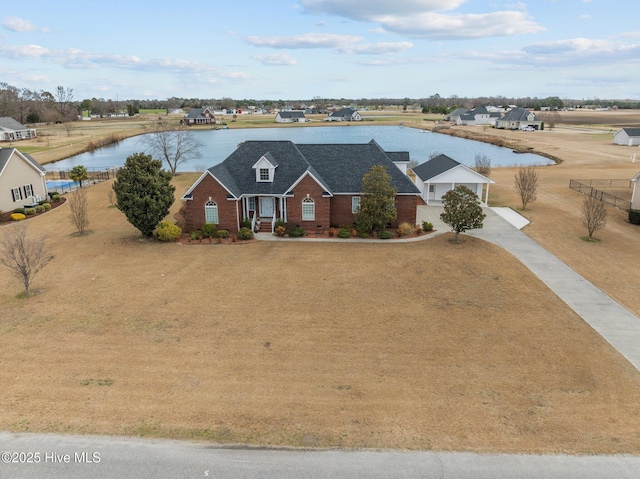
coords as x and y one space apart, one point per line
200 116
316 186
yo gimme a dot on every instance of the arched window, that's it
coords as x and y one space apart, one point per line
308 210
210 212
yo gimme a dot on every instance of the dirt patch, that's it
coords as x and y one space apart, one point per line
417 345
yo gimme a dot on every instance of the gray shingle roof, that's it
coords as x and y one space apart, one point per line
435 167
632 131
7 123
517 114
343 113
339 168
292 114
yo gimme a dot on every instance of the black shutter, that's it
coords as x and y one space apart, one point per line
13 195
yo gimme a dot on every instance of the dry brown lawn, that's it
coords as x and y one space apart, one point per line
418 345
421 345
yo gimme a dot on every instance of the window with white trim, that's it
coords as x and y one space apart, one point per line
432 188
264 174
355 204
308 210
252 203
16 193
28 191
210 212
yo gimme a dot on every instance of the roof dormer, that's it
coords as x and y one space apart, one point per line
265 168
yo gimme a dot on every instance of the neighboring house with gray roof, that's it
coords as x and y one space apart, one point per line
477 116
627 137
344 114
11 130
22 180
441 174
199 116
293 116
316 186
518 119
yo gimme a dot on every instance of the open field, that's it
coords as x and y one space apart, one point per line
421 345
418 345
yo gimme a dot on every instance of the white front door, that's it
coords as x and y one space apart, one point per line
267 207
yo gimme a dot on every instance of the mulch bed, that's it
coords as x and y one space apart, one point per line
5 217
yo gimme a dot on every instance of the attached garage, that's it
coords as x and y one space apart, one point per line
441 174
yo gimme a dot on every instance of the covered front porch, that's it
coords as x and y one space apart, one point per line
264 211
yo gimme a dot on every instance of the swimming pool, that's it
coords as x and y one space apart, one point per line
60 185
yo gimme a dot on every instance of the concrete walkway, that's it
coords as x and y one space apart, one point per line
612 321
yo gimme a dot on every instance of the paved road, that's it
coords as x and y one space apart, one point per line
132 458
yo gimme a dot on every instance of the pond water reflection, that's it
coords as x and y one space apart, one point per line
218 144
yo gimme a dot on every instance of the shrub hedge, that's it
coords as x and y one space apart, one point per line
634 217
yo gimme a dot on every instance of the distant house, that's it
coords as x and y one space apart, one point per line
294 116
344 114
455 115
518 119
200 116
441 174
316 186
635 196
477 116
11 130
22 180
627 137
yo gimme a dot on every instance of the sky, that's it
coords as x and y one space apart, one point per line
302 49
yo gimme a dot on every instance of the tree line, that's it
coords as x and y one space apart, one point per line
34 106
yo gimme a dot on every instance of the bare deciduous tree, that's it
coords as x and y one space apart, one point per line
23 255
63 98
79 211
175 146
594 215
483 164
526 184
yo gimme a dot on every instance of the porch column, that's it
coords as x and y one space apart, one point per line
486 201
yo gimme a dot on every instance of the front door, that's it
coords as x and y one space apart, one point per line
267 207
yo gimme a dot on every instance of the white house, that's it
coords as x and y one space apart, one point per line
627 137
11 130
344 114
635 195
293 116
441 174
519 119
477 116
22 180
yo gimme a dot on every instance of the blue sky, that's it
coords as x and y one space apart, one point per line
300 49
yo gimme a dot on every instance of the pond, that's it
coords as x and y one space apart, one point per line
218 144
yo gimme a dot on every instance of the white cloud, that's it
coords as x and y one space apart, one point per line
350 44
376 48
370 9
439 26
425 18
309 40
277 59
16 24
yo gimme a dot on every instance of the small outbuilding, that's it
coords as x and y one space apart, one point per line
627 137
441 174
293 116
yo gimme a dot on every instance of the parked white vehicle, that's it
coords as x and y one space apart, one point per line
528 128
